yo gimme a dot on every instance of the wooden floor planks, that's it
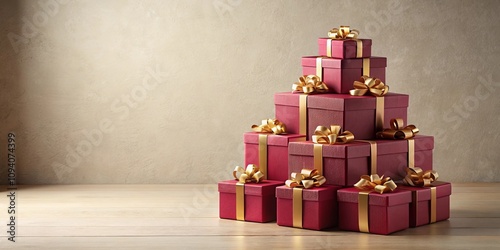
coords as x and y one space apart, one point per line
186 216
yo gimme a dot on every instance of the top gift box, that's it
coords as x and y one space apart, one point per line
343 43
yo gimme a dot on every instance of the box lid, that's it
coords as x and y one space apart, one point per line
263 188
325 192
344 42
357 149
272 139
424 193
396 197
287 99
351 63
344 102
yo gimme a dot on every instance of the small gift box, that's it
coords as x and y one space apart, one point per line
342 164
358 114
345 48
373 212
310 208
339 74
271 151
248 201
429 204
343 42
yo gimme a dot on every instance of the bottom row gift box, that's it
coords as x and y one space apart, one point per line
330 206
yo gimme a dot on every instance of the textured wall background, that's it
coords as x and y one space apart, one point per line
161 91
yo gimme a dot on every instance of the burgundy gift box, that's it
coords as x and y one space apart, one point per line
277 153
319 207
260 201
353 113
387 212
344 48
340 74
343 164
421 206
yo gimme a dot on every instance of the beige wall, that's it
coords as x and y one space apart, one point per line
166 88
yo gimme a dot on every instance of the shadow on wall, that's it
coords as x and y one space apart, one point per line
10 78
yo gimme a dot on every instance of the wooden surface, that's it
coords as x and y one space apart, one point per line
186 217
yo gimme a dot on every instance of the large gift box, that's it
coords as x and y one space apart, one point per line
270 153
318 209
256 203
429 204
357 114
345 48
339 74
373 212
342 164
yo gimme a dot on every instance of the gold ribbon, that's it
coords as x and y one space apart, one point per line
344 32
307 178
363 213
418 178
332 135
375 87
375 183
250 174
310 84
303 114
270 126
433 205
398 130
373 155
369 85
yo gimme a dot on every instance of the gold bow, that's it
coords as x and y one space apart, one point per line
270 126
418 178
373 86
398 131
307 178
376 183
309 84
250 174
344 32
323 135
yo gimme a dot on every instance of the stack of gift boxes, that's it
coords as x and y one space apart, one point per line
339 153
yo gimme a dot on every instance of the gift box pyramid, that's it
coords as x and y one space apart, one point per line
340 142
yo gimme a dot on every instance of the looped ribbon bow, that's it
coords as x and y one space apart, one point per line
369 85
344 32
270 126
307 178
332 135
309 84
418 178
376 183
398 131
250 174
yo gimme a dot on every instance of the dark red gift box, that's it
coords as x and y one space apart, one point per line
387 212
353 113
277 153
343 164
421 206
344 48
319 207
260 201
340 74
